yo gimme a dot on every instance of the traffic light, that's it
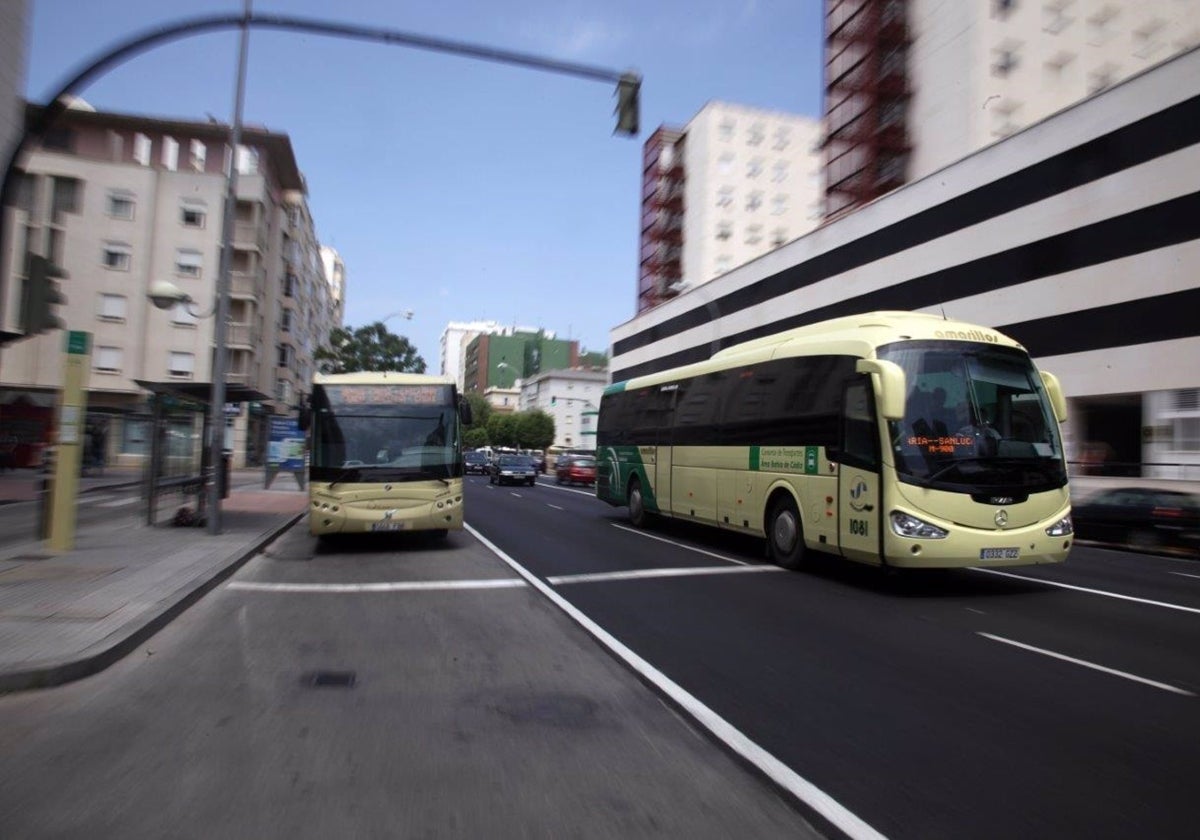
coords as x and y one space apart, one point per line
627 108
41 296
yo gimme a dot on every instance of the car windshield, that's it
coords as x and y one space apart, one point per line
974 417
516 461
587 463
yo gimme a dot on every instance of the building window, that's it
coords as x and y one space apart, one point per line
724 230
1100 28
753 201
754 168
247 160
285 321
1003 8
197 155
1101 78
1055 19
1004 60
722 264
181 365
725 197
141 149
1147 40
755 135
778 237
725 129
111 307
66 196
108 360
283 356
753 234
192 215
779 171
120 205
117 256
1057 63
1185 434
283 390
170 154
188 263
782 138
180 316
725 163
779 205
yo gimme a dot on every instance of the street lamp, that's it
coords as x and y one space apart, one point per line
407 314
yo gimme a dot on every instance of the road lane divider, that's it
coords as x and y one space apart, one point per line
678 544
1116 595
393 586
785 777
1086 664
639 574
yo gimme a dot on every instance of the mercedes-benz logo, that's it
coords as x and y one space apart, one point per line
1001 518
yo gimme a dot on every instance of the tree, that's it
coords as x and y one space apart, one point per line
502 430
475 437
535 429
481 409
369 348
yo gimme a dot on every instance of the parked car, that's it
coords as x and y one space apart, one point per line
576 469
513 469
1142 517
475 462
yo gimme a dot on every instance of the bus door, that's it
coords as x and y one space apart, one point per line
860 514
662 411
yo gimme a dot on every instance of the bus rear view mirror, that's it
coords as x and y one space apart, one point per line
1055 392
464 411
888 380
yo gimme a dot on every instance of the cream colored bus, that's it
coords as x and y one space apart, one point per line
385 453
889 438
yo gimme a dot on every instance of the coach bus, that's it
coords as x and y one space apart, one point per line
385 453
890 438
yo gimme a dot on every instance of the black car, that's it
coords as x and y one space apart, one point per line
1142 517
475 462
514 469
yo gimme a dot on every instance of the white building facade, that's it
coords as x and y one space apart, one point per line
981 70
572 399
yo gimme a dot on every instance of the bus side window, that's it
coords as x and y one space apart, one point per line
860 445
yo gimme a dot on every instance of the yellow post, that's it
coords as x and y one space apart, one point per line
72 410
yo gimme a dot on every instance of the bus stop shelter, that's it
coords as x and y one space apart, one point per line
193 474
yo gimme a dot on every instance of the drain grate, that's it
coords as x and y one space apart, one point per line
330 679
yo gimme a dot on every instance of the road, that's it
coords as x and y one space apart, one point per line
462 701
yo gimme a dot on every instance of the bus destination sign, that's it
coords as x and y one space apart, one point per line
387 394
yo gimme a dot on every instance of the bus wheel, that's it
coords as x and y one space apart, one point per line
637 505
785 536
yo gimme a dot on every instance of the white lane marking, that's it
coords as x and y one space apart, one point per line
1089 591
407 586
655 573
119 502
824 804
1087 664
680 545
97 500
972 609
1184 574
556 507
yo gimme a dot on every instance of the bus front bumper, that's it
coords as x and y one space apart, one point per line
963 546
333 516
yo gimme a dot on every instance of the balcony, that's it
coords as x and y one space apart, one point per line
250 236
247 285
241 336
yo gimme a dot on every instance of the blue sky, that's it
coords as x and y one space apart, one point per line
456 188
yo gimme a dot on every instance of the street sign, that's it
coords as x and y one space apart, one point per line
78 343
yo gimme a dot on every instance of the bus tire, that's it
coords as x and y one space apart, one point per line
637 504
785 535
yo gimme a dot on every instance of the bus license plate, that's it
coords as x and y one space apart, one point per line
999 554
387 526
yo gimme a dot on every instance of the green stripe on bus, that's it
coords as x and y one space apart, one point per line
754 450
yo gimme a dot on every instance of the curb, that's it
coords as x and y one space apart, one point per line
125 640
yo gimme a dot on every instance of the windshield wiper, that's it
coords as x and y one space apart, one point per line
345 473
957 462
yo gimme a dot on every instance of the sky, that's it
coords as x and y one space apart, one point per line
457 188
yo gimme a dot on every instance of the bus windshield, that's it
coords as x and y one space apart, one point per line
975 418
377 433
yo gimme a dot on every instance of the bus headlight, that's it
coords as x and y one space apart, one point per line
1061 528
909 526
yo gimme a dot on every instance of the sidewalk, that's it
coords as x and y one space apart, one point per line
66 616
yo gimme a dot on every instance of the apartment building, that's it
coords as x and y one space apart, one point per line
915 85
120 201
572 399
733 184
458 335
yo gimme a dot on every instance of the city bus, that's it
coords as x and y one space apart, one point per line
385 453
890 438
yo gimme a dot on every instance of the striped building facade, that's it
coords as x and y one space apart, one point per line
1079 236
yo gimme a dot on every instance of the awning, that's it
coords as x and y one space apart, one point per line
202 391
